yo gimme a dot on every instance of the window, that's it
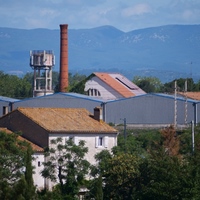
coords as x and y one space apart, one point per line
93 92
102 141
73 139
39 163
5 110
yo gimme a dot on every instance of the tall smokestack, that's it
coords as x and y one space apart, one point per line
63 57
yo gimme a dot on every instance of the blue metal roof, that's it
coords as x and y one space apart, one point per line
8 99
156 94
76 95
82 96
181 98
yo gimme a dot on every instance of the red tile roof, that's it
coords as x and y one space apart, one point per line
120 84
191 95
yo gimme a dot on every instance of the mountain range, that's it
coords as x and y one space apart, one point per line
166 52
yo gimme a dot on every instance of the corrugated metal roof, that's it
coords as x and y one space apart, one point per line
66 120
35 147
155 94
8 99
71 94
172 96
120 84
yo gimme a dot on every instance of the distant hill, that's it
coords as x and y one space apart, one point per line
167 52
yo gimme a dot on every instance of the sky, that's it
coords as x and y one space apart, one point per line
126 15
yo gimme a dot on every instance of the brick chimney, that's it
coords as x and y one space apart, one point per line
98 114
63 57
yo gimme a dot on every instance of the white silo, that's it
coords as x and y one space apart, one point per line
42 62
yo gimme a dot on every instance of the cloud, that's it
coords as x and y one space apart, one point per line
124 15
138 9
185 11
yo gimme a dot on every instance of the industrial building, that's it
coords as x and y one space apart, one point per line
144 110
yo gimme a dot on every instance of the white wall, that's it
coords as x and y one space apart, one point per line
109 141
38 159
106 91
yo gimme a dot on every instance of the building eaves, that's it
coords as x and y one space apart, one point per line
172 97
75 95
82 96
8 99
162 95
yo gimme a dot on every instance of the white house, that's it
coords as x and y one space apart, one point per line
111 86
40 125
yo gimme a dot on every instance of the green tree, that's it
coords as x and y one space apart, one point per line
167 177
137 141
121 177
12 163
98 188
66 163
30 188
148 84
77 83
98 173
191 86
13 86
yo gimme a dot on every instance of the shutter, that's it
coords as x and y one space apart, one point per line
66 139
106 141
76 141
96 141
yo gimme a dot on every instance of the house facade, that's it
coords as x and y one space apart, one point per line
41 125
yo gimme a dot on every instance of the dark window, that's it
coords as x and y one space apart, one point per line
100 142
5 110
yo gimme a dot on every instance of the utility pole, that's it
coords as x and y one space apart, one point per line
124 134
185 102
192 129
175 104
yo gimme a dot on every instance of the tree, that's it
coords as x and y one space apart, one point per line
191 86
77 83
66 163
13 86
171 141
165 177
137 141
97 189
148 84
12 163
30 188
121 177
